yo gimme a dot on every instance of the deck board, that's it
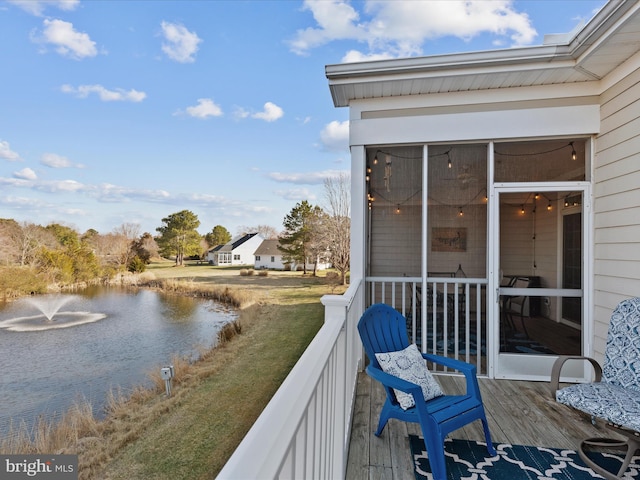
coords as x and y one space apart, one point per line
518 412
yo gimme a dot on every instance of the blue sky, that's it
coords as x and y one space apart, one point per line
117 112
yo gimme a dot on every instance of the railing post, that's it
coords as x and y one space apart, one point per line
336 309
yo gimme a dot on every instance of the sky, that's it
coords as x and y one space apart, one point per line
125 111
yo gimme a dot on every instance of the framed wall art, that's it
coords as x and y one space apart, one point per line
448 239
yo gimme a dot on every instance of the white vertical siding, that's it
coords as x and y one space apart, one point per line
616 202
395 241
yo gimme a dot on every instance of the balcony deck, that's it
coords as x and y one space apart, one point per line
518 412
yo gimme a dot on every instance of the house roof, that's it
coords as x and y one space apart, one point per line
588 54
236 242
268 247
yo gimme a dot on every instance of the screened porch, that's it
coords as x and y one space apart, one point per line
480 246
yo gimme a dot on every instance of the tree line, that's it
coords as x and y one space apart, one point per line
310 233
34 256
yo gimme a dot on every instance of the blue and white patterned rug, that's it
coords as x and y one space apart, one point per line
468 460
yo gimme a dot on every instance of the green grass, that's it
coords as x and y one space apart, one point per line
200 426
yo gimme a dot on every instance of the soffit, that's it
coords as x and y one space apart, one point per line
610 39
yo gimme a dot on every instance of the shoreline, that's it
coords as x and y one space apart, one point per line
281 316
25 437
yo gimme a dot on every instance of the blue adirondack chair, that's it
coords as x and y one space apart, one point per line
383 329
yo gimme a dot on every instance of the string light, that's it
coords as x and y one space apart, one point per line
574 154
460 212
398 209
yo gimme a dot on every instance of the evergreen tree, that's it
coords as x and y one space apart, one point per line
217 236
178 236
297 240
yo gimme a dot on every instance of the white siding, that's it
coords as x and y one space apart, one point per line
273 262
245 252
616 203
395 241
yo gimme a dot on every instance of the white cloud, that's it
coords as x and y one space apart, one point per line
67 41
62 186
23 203
54 160
353 56
26 174
296 194
335 136
336 19
204 109
240 113
116 95
305 178
400 28
108 192
6 152
37 7
180 44
271 113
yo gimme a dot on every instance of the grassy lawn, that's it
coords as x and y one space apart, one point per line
191 434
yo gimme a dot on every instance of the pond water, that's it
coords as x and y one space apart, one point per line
98 340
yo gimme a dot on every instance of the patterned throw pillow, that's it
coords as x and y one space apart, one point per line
409 365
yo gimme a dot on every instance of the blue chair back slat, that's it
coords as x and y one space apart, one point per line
382 329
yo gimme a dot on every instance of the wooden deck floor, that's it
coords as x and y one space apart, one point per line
518 412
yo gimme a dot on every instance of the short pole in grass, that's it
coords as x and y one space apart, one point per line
167 374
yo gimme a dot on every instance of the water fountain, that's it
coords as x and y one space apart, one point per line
50 315
50 305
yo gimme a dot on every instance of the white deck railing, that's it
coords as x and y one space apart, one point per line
304 430
447 317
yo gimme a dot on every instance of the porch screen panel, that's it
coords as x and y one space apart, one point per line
457 212
395 203
541 161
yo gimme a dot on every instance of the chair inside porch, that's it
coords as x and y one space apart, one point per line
518 412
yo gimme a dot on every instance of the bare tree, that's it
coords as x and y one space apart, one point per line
19 242
204 250
318 247
266 231
338 222
146 247
115 249
126 234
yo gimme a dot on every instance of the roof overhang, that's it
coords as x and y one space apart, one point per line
587 55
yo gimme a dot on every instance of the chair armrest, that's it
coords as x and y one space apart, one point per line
450 362
465 368
392 381
557 368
